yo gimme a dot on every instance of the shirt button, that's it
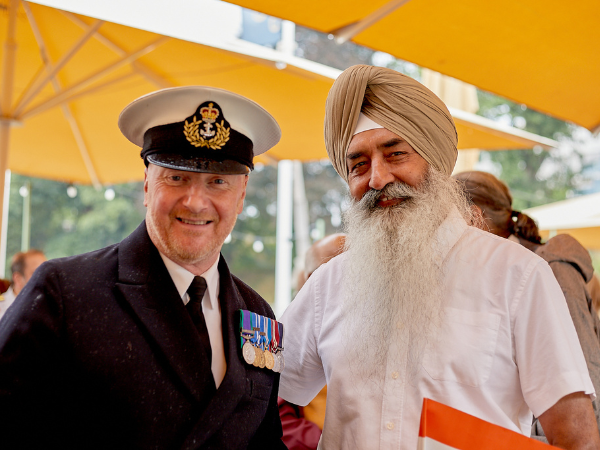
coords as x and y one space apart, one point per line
394 375
389 425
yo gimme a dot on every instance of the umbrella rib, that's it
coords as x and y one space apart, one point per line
28 96
8 63
500 130
83 149
347 32
59 98
91 90
75 129
139 67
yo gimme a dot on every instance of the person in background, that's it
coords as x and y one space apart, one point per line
420 304
137 345
594 290
319 253
302 425
22 267
569 261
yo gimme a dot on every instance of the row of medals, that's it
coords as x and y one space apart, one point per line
263 358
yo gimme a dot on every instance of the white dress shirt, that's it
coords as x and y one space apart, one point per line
508 347
211 309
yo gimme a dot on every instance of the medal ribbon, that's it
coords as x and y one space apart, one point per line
277 336
280 338
273 347
255 336
269 329
263 329
245 325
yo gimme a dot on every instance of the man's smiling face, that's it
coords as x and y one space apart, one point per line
379 157
190 214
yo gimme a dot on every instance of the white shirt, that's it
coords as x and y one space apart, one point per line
211 309
9 297
508 347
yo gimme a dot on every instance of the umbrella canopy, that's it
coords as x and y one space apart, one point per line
579 217
72 75
539 52
66 77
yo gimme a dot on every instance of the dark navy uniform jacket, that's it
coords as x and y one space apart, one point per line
98 351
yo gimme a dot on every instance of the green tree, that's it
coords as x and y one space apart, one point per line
64 226
535 176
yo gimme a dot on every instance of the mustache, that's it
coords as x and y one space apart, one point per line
392 190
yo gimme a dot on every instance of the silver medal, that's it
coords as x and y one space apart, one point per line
279 362
248 352
275 363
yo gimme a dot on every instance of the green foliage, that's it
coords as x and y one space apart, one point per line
520 116
522 170
323 49
325 192
256 223
63 226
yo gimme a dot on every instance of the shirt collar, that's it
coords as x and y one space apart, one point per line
183 278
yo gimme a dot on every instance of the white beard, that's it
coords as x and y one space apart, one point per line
392 282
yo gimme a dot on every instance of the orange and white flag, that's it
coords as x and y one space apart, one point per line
446 428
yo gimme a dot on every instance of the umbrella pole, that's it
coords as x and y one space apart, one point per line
4 139
301 219
8 75
4 229
283 249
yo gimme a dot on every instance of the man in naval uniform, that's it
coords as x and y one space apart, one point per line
137 345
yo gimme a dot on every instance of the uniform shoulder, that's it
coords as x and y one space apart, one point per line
84 261
253 299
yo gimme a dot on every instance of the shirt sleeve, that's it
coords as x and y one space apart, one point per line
547 350
303 376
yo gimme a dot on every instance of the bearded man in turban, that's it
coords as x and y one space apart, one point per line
420 304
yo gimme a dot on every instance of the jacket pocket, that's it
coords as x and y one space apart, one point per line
464 350
258 390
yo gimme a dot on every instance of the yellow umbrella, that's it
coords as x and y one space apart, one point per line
99 67
543 53
66 77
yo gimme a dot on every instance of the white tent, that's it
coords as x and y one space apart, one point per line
579 217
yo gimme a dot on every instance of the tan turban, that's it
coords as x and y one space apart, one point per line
395 101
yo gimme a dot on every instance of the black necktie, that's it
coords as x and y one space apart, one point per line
196 292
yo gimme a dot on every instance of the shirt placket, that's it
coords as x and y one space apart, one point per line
394 393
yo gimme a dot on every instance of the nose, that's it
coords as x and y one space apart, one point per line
195 199
380 174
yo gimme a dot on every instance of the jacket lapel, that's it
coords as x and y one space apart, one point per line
146 285
233 386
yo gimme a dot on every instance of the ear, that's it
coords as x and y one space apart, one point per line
146 186
476 210
18 282
243 196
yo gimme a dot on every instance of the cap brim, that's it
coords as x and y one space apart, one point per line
196 164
